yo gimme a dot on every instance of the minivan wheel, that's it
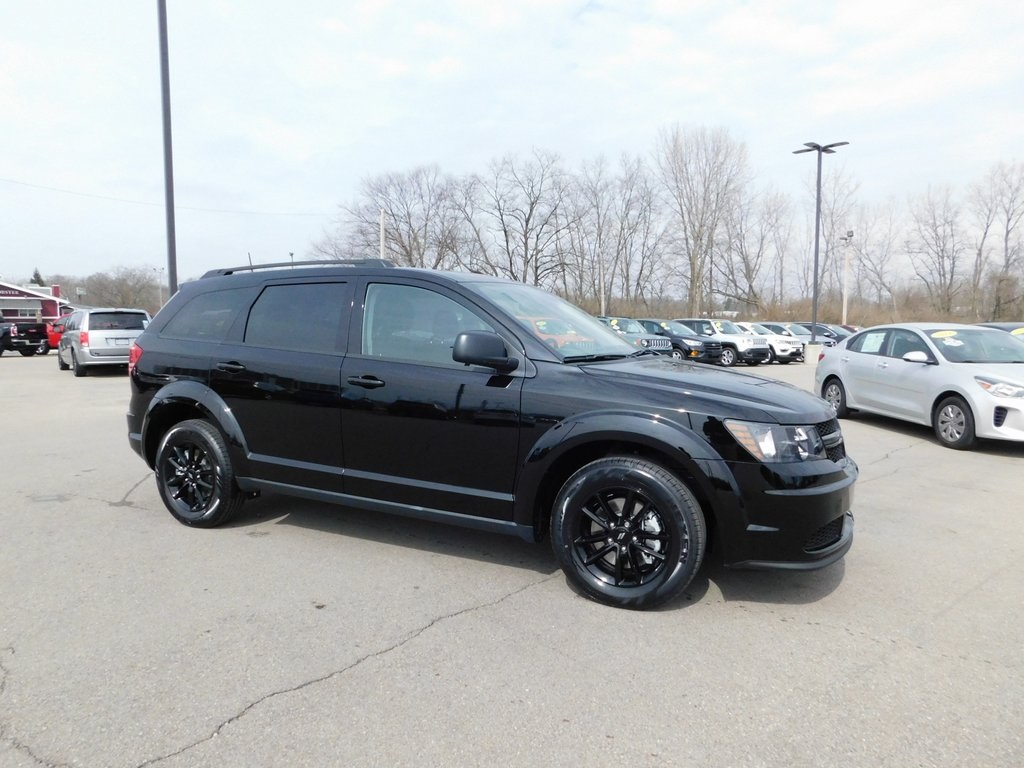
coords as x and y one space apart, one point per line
627 532
77 367
194 475
954 423
728 357
834 393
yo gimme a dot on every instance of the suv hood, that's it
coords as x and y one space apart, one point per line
710 390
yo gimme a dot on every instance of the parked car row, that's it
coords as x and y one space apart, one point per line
964 381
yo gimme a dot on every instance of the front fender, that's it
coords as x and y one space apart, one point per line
186 399
585 437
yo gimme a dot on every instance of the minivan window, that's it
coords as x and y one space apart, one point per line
117 321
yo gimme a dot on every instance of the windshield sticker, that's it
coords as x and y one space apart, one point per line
1017 331
943 334
952 342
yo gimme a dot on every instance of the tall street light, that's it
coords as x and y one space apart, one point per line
828 149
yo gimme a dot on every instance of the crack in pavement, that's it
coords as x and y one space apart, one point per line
337 673
7 738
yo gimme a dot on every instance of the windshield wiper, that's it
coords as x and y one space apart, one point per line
647 351
592 358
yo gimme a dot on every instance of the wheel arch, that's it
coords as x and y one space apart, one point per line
949 393
185 400
551 462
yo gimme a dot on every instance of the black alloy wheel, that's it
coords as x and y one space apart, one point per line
627 532
194 475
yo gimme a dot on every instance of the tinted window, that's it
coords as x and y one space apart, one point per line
304 317
208 316
120 321
404 322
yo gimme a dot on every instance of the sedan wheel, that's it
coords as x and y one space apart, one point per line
834 393
194 475
954 424
627 532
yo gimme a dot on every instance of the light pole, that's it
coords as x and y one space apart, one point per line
847 240
828 149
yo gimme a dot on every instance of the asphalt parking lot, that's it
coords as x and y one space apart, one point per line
309 635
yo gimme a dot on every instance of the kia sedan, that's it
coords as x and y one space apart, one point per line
965 381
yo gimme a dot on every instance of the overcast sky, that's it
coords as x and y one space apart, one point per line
280 109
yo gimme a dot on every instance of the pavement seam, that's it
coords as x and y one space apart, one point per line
5 737
339 672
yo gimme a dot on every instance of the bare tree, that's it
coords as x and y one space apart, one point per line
878 230
515 217
937 247
123 287
748 249
998 203
701 171
420 221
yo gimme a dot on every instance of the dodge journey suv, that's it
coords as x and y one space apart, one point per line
469 399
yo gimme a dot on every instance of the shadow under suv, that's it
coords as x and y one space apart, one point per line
441 396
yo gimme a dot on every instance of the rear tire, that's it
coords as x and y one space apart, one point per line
27 352
627 532
78 369
43 349
194 475
61 365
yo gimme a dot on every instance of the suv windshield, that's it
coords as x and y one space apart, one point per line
565 328
627 325
727 326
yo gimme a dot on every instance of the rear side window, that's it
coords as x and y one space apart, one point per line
117 321
868 343
305 317
208 316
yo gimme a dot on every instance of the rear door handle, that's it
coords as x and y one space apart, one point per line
231 367
366 382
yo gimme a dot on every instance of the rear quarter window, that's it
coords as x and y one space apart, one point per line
208 316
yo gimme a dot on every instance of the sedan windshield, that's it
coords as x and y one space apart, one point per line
977 345
565 328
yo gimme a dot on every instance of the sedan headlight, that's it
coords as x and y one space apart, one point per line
774 443
999 388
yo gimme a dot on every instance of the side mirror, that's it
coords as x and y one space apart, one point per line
917 356
483 348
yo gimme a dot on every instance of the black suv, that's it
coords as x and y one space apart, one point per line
469 399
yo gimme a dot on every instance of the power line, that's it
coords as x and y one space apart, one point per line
148 203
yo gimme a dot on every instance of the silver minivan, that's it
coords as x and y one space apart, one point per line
99 337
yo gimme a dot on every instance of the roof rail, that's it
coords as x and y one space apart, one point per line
291 264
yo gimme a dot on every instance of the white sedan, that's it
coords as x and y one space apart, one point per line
964 381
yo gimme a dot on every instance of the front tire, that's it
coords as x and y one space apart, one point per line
728 357
835 394
677 354
194 475
43 349
954 424
627 532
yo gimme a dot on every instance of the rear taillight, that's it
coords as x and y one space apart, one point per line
83 338
134 355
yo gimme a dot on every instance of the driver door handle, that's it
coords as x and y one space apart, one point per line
367 382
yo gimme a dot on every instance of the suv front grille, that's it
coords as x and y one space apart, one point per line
832 437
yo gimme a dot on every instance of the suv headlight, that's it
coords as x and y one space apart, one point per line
999 388
775 443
